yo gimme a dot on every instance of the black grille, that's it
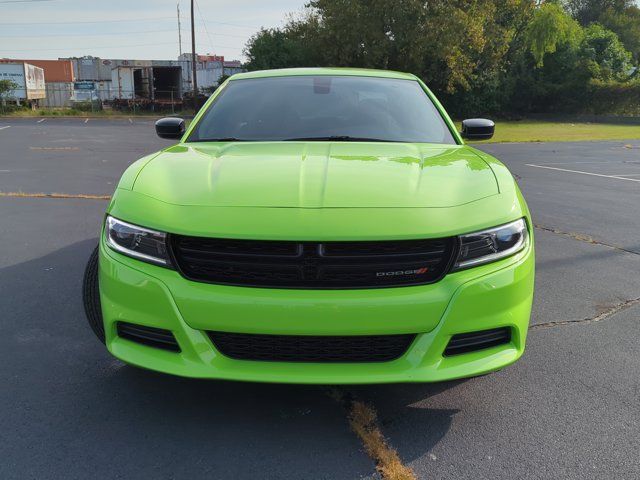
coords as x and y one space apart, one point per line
470 342
284 264
306 348
150 336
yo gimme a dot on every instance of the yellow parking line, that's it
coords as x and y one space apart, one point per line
363 421
55 195
54 148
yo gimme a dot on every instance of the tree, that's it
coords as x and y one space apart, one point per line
604 54
295 45
271 48
6 86
619 16
451 44
589 11
626 25
478 56
549 27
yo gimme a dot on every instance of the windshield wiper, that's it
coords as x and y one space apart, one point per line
224 139
336 138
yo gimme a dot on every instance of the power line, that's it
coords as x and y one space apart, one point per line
87 34
24 1
224 34
205 26
113 33
88 48
253 27
228 47
74 22
87 21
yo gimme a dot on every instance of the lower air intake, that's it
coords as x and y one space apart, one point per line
149 336
470 342
307 348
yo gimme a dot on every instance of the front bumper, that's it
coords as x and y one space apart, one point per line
481 298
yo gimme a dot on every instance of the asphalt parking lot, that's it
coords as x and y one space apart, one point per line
568 409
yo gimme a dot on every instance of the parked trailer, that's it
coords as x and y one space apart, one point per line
146 85
155 84
29 80
55 71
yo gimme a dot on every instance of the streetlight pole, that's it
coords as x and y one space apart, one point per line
193 60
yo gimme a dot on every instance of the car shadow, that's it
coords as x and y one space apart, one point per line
66 398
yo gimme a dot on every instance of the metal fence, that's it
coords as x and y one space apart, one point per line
65 99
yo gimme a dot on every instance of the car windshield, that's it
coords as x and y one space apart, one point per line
340 108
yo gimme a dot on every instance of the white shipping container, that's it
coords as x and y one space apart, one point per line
29 78
122 82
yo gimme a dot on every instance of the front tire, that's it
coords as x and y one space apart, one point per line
91 296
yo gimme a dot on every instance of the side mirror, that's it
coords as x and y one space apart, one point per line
478 129
170 127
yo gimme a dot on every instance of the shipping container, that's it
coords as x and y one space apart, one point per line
122 81
208 72
92 68
28 78
54 70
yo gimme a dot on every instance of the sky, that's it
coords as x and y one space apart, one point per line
133 29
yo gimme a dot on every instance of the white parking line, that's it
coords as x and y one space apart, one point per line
584 173
2 128
41 120
572 163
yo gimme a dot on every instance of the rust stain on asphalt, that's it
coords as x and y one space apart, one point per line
363 420
55 195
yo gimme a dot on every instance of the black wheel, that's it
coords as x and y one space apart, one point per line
91 296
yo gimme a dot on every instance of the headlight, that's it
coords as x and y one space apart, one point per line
493 244
137 242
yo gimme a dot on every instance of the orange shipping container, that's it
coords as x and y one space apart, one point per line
54 70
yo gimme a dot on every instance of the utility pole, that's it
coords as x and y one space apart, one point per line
179 30
193 59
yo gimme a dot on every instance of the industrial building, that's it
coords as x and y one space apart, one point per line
124 83
157 82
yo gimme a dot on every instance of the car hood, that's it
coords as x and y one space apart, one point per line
317 175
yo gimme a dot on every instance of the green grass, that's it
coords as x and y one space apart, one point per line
539 131
506 130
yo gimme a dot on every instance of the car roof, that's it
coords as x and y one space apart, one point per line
336 71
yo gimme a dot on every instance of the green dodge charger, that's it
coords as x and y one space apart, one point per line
316 226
